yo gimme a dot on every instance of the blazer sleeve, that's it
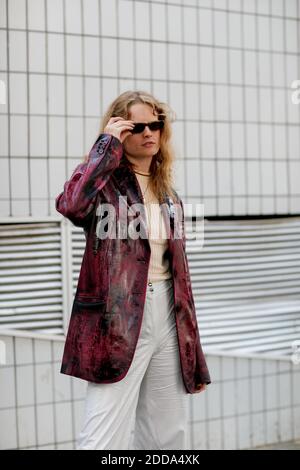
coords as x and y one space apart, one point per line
77 200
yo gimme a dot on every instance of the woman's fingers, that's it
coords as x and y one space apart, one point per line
119 121
119 127
115 118
123 123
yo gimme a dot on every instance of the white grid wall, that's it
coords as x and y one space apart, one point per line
225 66
251 402
40 407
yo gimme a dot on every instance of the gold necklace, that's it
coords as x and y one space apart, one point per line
140 173
144 174
147 208
143 194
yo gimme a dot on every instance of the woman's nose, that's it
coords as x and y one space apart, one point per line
147 131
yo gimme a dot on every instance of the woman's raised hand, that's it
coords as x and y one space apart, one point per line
119 127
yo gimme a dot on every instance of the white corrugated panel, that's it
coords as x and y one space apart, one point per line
31 277
246 284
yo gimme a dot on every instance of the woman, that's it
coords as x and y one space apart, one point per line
133 331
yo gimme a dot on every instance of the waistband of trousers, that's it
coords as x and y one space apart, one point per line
159 286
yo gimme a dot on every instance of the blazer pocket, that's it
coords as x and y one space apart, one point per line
89 302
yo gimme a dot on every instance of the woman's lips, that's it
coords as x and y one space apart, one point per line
148 144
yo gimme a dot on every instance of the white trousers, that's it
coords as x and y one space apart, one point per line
151 399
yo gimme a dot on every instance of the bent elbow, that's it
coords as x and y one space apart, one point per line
73 212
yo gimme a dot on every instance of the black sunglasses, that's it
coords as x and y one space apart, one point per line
153 126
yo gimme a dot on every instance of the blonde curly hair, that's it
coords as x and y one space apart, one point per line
161 168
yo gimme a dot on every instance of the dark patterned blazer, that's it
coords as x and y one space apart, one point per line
108 305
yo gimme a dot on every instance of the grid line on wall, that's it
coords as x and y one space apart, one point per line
234 140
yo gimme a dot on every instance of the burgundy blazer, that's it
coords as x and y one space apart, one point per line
108 305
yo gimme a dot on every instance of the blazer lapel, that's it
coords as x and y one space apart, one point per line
129 187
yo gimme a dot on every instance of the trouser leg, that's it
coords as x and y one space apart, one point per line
110 408
162 410
108 418
152 391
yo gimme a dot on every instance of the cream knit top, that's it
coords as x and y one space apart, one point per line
159 268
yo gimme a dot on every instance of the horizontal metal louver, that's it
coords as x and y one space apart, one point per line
31 277
245 278
246 284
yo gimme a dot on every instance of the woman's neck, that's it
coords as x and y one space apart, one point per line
140 165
